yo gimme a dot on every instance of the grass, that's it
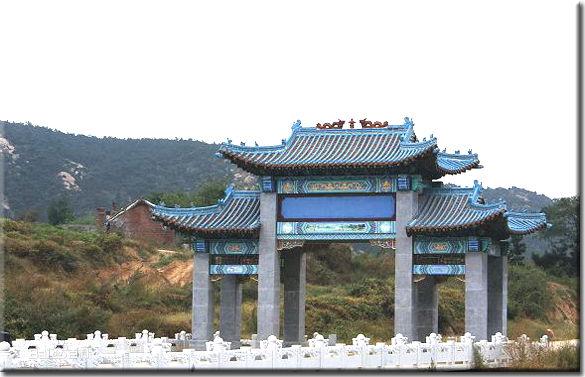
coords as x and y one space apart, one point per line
526 356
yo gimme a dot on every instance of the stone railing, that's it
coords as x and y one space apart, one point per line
97 351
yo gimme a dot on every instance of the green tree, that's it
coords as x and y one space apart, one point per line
517 250
208 194
60 212
525 297
563 257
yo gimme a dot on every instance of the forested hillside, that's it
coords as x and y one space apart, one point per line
42 165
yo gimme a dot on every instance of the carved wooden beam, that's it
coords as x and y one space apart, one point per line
419 278
384 244
289 244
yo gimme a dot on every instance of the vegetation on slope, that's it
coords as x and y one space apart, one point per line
73 283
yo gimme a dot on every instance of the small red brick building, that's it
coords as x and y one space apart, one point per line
135 221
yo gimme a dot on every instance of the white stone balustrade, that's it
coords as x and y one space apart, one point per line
145 351
317 340
360 340
217 344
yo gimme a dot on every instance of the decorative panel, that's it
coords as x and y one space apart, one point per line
418 184
438 259
233 247
438 269
337 207
358 230
403 183
350 184
267 184
440 245
450 245
485 244
479 244
473 244
384 244
199 246
227 269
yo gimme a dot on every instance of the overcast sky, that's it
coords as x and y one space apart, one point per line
495 76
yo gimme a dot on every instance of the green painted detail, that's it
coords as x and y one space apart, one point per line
367 227
450 245
418 184
485 244
233 247
349 184
433 269
440 245
236 269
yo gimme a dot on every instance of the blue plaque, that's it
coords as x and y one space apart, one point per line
338 207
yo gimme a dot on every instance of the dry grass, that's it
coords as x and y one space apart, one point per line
527 356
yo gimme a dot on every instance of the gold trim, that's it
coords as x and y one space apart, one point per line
289 244
419 278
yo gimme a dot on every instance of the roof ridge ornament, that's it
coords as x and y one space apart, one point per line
369 124
477 188
296 125
228 192
333 125
409 133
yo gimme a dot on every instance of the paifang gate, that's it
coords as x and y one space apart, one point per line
376 184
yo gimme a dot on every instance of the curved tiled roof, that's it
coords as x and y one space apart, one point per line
449 210
525 222
456 163
236 214
310 149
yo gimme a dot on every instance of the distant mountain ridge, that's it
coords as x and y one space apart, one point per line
42 164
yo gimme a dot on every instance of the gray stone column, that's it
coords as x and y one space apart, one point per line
202 316
427 307
497 295
404 300
268 270
230 314
476 294
295 280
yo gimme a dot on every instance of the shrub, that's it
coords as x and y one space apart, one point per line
527 292
18 247
16 226
110 242
528 356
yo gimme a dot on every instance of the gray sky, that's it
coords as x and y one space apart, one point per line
497 77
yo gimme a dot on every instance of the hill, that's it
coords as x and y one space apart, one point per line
43 164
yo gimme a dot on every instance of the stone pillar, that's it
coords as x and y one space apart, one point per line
295 280
202 321
476 294
427 307
230 314
404 300
497 295
268 270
